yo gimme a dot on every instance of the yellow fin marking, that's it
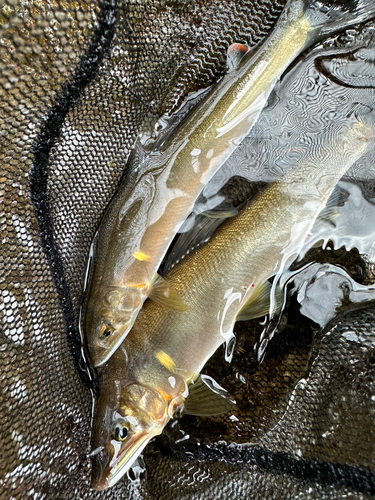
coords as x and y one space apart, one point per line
192 378
137 285
165 360
141 256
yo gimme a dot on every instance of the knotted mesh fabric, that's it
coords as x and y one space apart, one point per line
78 82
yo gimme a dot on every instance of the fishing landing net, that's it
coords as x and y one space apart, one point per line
78 81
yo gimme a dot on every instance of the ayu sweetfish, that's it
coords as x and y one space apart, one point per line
156 370
159 194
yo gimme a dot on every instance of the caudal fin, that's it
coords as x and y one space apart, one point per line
330 16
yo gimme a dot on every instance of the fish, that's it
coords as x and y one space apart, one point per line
153 203
156 371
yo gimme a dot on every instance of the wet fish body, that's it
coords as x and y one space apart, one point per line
148 378
147 212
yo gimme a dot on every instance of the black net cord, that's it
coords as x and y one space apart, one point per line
50 131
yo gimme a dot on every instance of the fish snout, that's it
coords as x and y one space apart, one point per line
100 462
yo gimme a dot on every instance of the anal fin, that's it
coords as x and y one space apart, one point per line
258 304
337 199
207 398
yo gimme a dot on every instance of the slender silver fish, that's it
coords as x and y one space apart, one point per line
151 374
144 217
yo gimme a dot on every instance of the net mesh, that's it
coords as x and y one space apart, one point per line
78 81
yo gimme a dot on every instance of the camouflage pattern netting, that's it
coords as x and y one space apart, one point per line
78 81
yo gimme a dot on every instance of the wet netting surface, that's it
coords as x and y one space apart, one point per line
78 81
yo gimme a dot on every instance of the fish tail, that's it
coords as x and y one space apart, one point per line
330 16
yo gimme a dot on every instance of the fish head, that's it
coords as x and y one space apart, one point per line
123 425
109 316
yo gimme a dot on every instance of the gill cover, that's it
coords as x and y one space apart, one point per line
108 321
106 324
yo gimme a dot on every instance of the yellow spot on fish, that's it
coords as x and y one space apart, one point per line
165 360
138 285
167 397
141 256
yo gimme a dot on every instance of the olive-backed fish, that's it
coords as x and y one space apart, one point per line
149 209
150 375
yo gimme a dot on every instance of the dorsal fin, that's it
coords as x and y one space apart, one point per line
204 226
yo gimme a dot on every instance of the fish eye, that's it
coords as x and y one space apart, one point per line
105 331
121 432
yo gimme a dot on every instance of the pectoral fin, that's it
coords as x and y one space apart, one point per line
259 302
207 398
165 295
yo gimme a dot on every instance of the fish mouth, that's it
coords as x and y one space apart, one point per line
108 468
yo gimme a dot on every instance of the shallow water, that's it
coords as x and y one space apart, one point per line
324 290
